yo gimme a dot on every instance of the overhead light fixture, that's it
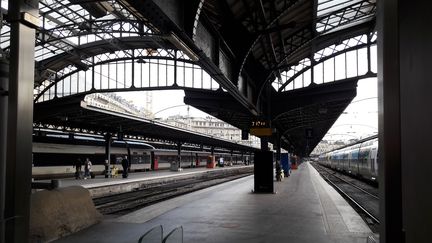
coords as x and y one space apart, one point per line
182 46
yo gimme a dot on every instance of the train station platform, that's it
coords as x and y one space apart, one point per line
101 186
304 209
101 181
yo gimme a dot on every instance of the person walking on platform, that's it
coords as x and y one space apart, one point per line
125 165
87 168
77 165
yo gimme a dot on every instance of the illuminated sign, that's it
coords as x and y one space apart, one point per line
261 132
259 123
260 128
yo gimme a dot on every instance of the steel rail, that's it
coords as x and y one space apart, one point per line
351 184
122 205
351 199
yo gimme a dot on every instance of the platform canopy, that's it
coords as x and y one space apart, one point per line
73 114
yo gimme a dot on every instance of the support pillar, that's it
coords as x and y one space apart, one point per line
278 148
108 140
176 165
20 120
211 159
264 144
263 172
404 93
263 169
129 155
4 88
389 125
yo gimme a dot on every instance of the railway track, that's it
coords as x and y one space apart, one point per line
363 197
124 203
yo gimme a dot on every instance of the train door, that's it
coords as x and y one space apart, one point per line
154 165
350 162
364 158
345 162
354 162
338 158
374 163
369 163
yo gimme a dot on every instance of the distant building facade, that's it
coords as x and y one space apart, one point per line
212 127
205 125
113 102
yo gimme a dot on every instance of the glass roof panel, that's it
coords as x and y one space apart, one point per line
65 25
295 71
334 15
328 6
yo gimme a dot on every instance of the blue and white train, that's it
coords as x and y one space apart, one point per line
360 159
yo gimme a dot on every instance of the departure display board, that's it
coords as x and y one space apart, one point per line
260 128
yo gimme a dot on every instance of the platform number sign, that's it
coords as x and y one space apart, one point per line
260 128
259 124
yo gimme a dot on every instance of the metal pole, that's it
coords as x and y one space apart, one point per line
4 87
23 16
264 143
179 145
108 137
389 123
212 155
278 148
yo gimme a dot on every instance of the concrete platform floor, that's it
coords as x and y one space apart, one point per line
100 180
304 209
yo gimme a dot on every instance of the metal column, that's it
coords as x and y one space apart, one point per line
212 164
4 87
389 124
176 165
277 142
264 143
108 140
179 145
23 16
404 54
416 118
278 149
